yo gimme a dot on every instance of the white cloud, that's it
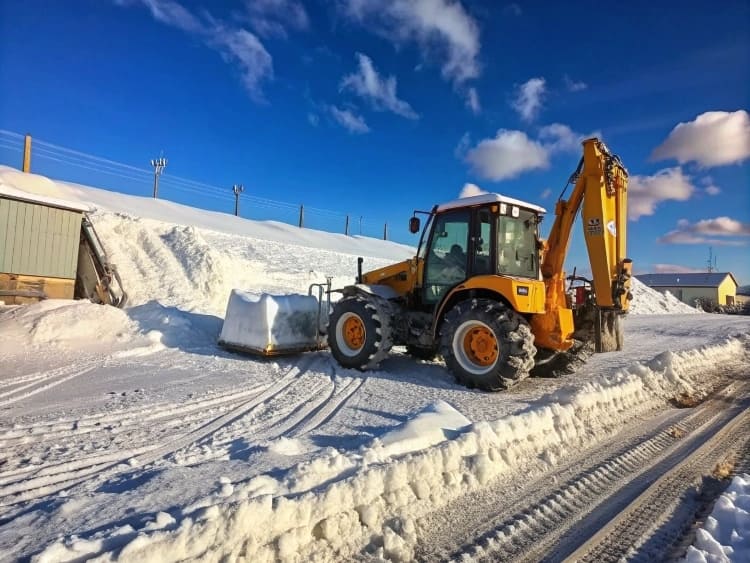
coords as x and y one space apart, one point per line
244 48
169 13
442 29
235 45
379 91
546 193
714 138
472 101
574 85
675 269
558 137
512 152
713 190
313 119
507 155
470 190
721 226
528 98
646 192
271 18
349 120
462 146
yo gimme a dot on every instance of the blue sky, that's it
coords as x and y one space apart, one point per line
377 108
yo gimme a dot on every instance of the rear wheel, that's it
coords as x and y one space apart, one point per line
487 345
357 334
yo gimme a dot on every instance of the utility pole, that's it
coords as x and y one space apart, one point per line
346 226
301 216
159 165
237 189
27 153
360 225
385 231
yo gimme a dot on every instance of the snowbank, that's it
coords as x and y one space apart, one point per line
68 325
339 503
175 213
725 536
648 301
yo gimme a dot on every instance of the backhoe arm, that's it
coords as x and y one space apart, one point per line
600 193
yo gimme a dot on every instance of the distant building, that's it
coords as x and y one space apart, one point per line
721 287
39 241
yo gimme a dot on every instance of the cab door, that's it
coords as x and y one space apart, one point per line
447 257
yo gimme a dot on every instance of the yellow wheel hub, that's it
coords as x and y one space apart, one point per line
354 333
480 346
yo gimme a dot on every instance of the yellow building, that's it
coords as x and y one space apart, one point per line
720 287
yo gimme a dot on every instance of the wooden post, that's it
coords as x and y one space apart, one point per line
301 216
27 153
346 227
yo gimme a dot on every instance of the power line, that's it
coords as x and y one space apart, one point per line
47 151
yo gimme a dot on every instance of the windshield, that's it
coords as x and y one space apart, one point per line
516 245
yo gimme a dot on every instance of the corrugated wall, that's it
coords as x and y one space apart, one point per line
37 240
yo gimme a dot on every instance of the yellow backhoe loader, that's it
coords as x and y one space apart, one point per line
484 290
488 294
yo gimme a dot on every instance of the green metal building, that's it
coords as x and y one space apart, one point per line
39 242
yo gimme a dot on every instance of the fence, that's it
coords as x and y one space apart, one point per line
74 166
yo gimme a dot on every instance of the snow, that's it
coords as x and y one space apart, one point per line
129 435
725 536
263 322
648 301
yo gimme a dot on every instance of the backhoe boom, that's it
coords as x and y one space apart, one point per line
600 194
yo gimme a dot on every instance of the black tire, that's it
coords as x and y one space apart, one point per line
421 353
498 326
550 363
375 343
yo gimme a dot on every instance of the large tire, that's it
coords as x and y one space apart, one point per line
358 333
487 345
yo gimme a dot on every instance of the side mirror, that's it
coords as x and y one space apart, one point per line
414 225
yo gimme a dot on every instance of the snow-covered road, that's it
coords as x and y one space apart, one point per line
129 434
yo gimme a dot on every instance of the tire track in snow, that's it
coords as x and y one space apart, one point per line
120 420
45 480
44 382
526 530
233 415
329 408
308 411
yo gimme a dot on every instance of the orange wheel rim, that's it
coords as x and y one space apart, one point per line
480 346
354 333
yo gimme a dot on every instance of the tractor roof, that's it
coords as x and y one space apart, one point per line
488 198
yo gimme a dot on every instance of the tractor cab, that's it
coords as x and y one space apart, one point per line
489 234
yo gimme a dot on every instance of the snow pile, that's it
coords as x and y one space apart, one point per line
725 536
339 503
67 325
648 301
263 322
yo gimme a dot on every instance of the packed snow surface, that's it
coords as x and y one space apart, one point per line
129 435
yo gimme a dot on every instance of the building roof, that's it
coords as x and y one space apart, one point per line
697 279
488 198
20 195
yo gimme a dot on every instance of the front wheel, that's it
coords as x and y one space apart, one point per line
357 334
487 345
